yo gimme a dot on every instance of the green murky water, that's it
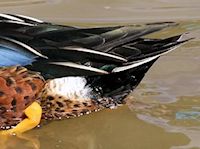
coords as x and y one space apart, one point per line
162 113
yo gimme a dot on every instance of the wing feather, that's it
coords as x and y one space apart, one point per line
58 50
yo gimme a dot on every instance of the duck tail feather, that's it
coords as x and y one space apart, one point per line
118 85
124 79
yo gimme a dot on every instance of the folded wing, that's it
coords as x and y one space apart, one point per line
57 50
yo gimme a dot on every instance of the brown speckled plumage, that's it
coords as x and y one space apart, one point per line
18 89
58 107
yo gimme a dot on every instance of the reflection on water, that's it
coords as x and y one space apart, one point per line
182 116
103 130
163 112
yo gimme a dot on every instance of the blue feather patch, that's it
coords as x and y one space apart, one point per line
12 57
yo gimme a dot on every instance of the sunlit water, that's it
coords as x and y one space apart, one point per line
162 113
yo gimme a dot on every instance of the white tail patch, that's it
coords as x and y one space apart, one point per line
73 88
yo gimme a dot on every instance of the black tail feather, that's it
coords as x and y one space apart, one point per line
118 85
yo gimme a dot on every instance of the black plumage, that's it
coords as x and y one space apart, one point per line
112 59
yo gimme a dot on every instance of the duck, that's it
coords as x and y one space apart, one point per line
53 72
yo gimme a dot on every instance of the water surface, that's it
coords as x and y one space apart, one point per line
162 113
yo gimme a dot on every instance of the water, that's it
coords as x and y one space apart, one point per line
162 113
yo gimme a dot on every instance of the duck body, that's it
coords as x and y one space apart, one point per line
85 69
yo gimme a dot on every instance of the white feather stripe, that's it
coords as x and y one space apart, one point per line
9 17
96 52
143 61
26 47
135 64
16 22
30 18
74 65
